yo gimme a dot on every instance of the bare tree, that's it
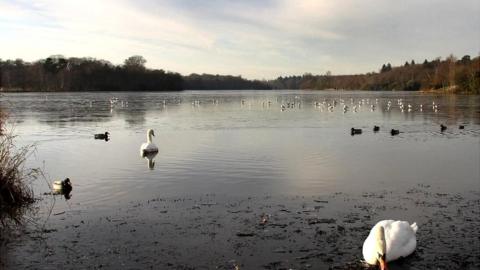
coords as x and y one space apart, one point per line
135 62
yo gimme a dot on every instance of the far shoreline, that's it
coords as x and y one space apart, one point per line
452 90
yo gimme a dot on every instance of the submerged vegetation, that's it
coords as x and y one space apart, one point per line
57 73
15 188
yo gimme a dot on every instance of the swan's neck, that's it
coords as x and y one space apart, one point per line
381 247
149 138
380 243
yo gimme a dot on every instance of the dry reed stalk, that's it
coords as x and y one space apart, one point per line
15 179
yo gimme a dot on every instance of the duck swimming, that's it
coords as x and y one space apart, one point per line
149 146
389 240
62 187
394 132
355 131
102 136
443 128
376 128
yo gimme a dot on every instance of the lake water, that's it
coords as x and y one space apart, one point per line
236 143
239 144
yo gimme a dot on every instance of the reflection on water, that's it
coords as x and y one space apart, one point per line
248 142
150 157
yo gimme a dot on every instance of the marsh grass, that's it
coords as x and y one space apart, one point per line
15 180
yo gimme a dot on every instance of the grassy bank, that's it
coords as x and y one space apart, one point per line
15 179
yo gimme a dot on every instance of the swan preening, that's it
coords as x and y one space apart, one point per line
149 146
389 240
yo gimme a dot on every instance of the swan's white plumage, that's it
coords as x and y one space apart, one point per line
149 146
399 237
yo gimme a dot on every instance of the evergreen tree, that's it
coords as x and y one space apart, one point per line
383 69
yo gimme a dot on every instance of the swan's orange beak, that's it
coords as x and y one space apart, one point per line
383 263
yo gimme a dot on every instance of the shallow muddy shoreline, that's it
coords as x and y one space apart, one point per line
264 232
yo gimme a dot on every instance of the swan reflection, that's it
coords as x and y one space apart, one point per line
151 159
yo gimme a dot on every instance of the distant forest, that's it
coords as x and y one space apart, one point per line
222 82
457 75
57 73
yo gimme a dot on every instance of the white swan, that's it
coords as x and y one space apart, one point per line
149 146
389 240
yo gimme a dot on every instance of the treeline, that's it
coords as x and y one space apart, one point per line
222 82
57 73
460 75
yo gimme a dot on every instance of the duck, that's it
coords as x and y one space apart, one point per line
376 128
149 146
461 127
355 131
62 187
102 136
394 132
443 128
389 240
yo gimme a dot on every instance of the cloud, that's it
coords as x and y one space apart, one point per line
258 39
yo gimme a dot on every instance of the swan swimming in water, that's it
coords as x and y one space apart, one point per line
389 240
149 146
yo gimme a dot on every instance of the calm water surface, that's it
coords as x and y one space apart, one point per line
240 143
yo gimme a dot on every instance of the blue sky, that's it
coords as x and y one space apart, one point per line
255 39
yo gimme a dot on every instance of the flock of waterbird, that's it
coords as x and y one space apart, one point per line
393 132
328 105
349 105
373 105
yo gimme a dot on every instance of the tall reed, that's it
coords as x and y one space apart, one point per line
15 180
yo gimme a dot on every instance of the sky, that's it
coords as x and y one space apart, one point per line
257 39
